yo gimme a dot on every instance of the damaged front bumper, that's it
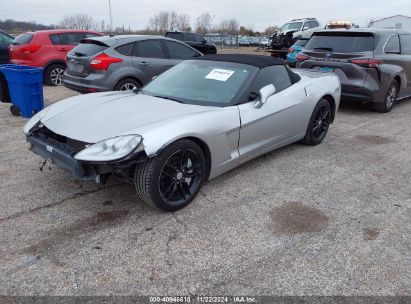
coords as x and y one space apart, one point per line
62 156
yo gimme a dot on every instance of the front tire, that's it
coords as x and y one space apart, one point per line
319 123
53 75
390 99
171 180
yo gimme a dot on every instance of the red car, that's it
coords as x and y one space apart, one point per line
47 49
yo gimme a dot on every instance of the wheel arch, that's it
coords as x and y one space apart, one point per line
397 78
206 150
125 77
48 64
201 143
331 100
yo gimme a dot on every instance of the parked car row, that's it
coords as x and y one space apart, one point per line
89 64
231 40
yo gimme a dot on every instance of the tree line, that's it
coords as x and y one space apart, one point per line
158 24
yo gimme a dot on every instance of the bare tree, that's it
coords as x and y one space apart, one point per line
79 22
204 23
230 27
183 22
269 31
168 21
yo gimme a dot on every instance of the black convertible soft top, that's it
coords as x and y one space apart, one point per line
258 61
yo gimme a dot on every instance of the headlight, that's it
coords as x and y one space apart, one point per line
34 121
111 149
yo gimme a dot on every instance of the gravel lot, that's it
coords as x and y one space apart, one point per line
327 220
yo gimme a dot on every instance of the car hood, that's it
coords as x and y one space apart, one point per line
95 117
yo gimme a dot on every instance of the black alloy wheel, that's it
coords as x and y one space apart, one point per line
173 178
180 177
319 123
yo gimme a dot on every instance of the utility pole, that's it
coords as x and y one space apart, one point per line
111 16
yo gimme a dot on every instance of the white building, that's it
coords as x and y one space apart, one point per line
399 22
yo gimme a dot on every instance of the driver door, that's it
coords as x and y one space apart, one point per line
276 123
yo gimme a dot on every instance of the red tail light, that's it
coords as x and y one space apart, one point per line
302 57
291 50
28 49
103 61
367 62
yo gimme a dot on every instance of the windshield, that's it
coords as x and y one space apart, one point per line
291 26
201 82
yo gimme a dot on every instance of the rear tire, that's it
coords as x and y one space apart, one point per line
127 84
319 123
390 99
53 75
172 179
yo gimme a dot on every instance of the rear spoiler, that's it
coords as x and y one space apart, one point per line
93 41
343 33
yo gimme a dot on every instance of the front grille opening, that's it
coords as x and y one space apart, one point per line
61 141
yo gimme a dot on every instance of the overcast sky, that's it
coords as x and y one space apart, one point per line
259 13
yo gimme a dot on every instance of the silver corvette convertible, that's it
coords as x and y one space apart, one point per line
192 123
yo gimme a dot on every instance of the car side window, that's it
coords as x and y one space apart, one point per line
189 37
393 45
148 49
406 44
55 39
276 75
314 24
126 49
176 36
198 38
67 38
180 51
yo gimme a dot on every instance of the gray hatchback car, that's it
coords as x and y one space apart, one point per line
118 63
374 65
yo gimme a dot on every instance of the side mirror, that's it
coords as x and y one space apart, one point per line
204 41
264 94
306 28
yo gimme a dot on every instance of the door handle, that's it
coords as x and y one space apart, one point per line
63 49
143 63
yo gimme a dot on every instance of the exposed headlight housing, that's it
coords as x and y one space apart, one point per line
34 121
111 149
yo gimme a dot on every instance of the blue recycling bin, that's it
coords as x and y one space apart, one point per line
25 85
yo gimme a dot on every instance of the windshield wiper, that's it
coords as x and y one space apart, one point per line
168 98
323 49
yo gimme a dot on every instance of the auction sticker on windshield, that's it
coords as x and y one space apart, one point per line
219 74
